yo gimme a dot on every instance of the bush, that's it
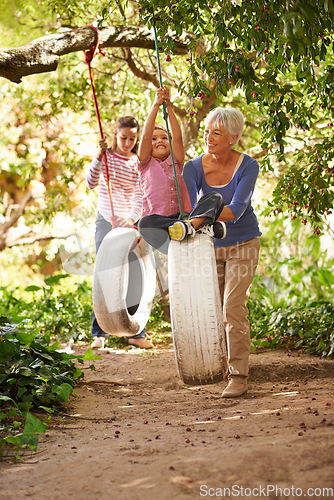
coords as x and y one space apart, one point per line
310 329
34 376
62 311
308 326
159 321
33 373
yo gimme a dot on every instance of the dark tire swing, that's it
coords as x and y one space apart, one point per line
195 304
124 273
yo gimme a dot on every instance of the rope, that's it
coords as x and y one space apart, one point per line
165 116
89 55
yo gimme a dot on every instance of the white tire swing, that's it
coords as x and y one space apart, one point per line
123 282
196 311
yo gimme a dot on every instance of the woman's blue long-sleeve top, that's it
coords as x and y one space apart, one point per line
237 196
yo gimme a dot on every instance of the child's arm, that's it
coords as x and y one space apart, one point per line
93 175
177 143
145 144
102 148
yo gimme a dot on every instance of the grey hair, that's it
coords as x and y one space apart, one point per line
230 118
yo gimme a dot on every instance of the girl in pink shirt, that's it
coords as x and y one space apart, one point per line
155 163
161 209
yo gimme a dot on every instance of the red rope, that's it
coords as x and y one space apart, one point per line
89 55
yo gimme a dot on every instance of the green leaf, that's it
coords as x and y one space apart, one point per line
78 373
63 391
25 338
43 355
23 371
30 439
48 410
32 288
13 440
54 280
7 350
33 425
6 398
326 277
89 355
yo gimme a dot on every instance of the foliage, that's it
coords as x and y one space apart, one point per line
114 342
61 312
291 299
159 321
38 152
279 55
18 429
20 21
272 60
308 328
33 376
33 373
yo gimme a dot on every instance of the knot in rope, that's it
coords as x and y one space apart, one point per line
89 54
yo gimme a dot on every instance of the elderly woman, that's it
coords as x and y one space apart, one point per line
232 174
220 184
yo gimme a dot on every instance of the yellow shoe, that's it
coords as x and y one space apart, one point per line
180 229
177 231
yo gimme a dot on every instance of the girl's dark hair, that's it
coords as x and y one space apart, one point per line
123 122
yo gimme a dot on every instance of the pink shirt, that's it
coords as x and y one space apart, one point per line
158 187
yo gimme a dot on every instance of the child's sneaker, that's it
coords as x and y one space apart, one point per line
180 229
215 230
219 229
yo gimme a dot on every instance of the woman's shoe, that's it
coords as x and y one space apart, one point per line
234 389
219 229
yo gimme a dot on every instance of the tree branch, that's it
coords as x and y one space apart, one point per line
42 55
143 75
16 212
11 218
34 239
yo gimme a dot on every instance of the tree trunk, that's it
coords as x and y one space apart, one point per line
190 126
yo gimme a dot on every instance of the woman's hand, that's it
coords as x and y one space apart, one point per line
102 148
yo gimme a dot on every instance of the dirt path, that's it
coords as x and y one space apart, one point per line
143 435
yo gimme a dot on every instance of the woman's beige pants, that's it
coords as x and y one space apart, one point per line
236 266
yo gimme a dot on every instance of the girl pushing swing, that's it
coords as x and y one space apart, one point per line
120 162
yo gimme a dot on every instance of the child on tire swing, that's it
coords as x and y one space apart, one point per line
161 220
